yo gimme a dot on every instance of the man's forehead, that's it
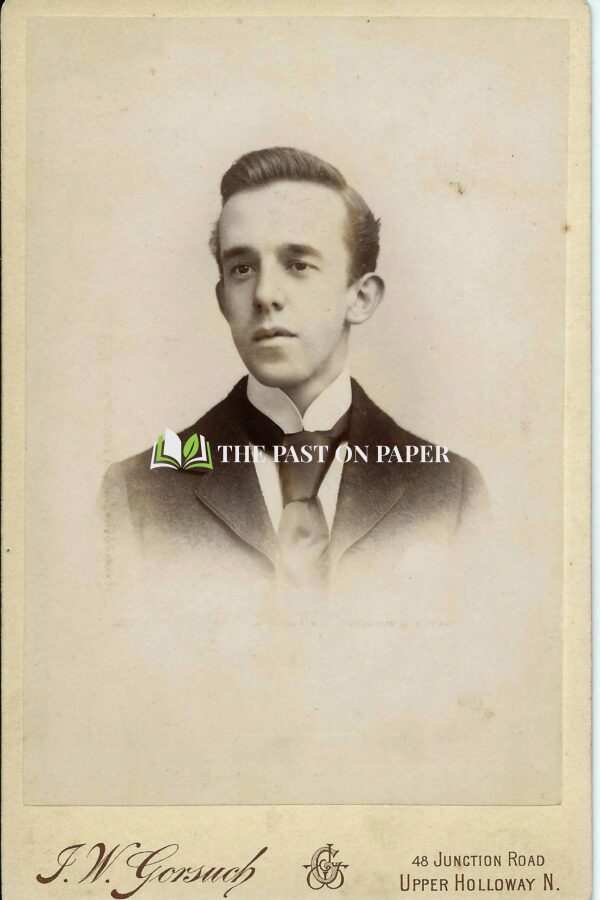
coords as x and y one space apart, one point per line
283 210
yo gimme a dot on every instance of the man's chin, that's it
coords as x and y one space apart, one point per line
277 377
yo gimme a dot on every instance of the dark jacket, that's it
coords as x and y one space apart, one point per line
383 509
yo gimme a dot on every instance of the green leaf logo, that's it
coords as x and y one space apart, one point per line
191 446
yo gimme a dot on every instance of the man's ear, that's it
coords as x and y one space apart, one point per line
219 293
367 294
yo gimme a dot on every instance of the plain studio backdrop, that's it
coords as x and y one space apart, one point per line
454 131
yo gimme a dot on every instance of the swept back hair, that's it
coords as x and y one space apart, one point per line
262 167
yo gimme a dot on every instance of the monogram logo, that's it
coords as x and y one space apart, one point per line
323 871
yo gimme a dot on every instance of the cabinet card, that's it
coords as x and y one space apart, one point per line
296 417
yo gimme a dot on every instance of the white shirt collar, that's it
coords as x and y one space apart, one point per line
321 415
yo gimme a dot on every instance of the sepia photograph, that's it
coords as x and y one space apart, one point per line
298 450
307 353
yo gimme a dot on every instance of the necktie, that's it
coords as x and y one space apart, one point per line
303 531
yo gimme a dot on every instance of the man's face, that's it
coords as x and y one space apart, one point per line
285 291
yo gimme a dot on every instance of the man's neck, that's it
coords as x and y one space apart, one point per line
304 394
320 415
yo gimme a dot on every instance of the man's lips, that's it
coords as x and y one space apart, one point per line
266 334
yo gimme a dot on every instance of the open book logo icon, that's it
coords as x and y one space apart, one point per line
168 453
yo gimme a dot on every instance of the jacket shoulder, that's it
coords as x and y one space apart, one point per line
128 480
370 419
371 425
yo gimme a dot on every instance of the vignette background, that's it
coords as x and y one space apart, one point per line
130 126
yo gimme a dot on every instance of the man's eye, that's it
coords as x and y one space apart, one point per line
298 266
241 269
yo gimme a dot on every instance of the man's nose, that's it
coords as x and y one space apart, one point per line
269 291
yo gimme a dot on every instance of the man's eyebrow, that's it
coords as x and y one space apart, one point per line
241 250
302 250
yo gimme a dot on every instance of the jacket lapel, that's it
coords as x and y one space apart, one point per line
232 493
368 491
231 490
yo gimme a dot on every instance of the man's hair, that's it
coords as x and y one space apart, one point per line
262 167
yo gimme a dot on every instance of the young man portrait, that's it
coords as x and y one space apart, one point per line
357 322
296 249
